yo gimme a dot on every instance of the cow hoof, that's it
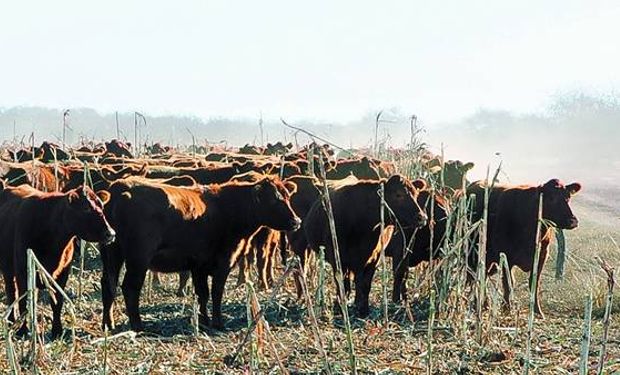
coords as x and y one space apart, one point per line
107 326
218 324
363 312
57 333
138 327
204 323
337 310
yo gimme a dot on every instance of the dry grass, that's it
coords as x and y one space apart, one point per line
400 347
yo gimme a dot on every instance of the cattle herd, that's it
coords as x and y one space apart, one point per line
205 211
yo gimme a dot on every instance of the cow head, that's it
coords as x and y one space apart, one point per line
455 172
84 216
556 199
118 149
51 152
401 195
272 207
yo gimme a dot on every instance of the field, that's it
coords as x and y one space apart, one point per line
287 338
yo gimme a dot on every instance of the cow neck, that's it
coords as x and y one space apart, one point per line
50 219
233 212
374 203
525 218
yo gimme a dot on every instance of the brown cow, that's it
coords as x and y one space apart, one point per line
40 176
51 152
209 175
356 211
278 148
260 247
158 149
101 177
251 150
118 148
513 212
419 240
306 194
47 223
172 229
362 168
454 172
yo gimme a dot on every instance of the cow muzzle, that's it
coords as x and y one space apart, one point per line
572 223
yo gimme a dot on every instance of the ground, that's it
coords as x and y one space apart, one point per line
171 345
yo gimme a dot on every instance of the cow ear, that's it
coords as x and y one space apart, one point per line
395 180
290 186
573 188
552 184
104 196
468 166
419 184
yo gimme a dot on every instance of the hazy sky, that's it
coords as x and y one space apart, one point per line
332 60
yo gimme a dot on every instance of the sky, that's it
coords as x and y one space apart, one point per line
324 60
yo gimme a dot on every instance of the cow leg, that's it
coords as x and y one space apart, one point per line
20 280
283 245
363 281
400 285
242 270
57 306
346 284
541 263
267 267
201 286
302 269
183 278
132 287
217 292
346 281
400 270
274 245
9 287
261 265
507 281
299 247
109 283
